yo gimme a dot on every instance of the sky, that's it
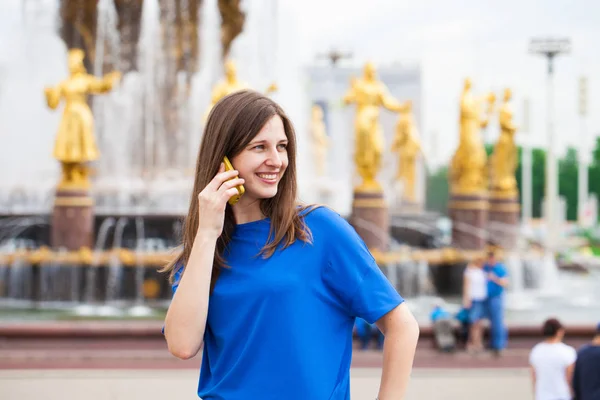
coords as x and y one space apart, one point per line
485 40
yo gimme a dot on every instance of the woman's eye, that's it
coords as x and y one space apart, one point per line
283 146
259 147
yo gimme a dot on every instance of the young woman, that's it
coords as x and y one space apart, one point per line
271 288
474 296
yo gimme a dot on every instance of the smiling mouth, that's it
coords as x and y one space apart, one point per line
268 177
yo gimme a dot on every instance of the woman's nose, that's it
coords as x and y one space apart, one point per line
274 159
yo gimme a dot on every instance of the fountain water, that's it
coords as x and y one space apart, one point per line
139 309
90 308
115 272
549 276
518 298
412 278
18 287
20 283
58 284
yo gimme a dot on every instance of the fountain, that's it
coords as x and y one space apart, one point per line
147 154
518 298
139 309
89 298
141 183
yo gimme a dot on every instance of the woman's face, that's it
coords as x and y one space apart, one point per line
263 161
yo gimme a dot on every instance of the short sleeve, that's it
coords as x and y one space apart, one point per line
500 271
176 278
532 356
571 355
353 276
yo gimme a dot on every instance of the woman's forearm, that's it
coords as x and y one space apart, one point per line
398 354
186 318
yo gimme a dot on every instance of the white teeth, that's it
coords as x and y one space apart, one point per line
267 176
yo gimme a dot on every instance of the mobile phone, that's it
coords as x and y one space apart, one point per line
240 188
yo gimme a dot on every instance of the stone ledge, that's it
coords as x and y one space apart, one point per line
153 329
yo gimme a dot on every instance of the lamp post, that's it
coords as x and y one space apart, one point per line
526 167
584 153
550 48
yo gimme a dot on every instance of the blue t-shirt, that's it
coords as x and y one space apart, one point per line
586 376
281 327
492 287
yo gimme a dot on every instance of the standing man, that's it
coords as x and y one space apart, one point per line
496 283
552 364
586 378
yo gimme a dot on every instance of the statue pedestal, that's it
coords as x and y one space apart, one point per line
503 219
469 215
370 218
72 219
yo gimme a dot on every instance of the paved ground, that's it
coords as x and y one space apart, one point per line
152 354
125 369
88 366
496 384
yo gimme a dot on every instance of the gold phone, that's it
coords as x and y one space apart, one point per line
240 188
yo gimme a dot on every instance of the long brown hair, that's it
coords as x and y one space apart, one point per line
232 123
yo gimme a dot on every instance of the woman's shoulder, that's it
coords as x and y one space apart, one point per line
321 215
323 220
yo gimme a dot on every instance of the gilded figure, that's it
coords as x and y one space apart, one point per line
503 162
75 144
369 94
230 84
468 169
320 140
406 144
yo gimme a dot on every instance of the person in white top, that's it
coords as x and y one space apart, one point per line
474 295
552 364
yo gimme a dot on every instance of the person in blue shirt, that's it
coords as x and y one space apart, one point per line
586 375
269 289
497 280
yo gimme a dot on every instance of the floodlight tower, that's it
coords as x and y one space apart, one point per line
550 48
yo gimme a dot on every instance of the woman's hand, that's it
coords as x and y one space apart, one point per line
213 200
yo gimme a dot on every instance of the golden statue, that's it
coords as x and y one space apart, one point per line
229 85
369 94
468 168
503 161
320 140
408 147
75 143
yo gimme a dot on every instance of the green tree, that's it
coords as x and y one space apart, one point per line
538 178
567 182
438 190
594 172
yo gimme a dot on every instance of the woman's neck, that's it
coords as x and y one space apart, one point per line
247 212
